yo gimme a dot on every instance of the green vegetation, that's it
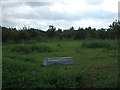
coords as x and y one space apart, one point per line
12 35
95 65
30 48
100 44
95 54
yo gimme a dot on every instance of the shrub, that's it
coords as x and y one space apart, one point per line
97 44
31 48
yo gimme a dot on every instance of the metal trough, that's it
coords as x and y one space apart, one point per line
60 60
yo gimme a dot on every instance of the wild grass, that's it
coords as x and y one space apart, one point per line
30 48
99 44
93 67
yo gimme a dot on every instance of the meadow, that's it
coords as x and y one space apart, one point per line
95 64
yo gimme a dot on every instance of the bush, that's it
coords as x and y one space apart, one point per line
31 48
97 44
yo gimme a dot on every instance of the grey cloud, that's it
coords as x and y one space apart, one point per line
43 12
99 13
6 4
8 22
119 10
46 14
40 11
94 2
38 4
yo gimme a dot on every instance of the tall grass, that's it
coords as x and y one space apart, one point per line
93 65
99 44
30 48
24 74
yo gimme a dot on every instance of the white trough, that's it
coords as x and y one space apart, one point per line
60 60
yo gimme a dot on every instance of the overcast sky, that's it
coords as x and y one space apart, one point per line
60 13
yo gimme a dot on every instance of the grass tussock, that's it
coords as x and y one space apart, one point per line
99 44
31 48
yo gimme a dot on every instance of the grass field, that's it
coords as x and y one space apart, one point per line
95 65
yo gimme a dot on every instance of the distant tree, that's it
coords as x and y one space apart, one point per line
93 33
115 28
71 33
32 33
5 34
66 34
71 28
102 33
80 34
51 31
59 33
87 30
24 27
36 34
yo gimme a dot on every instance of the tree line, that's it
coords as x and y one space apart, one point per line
26 34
